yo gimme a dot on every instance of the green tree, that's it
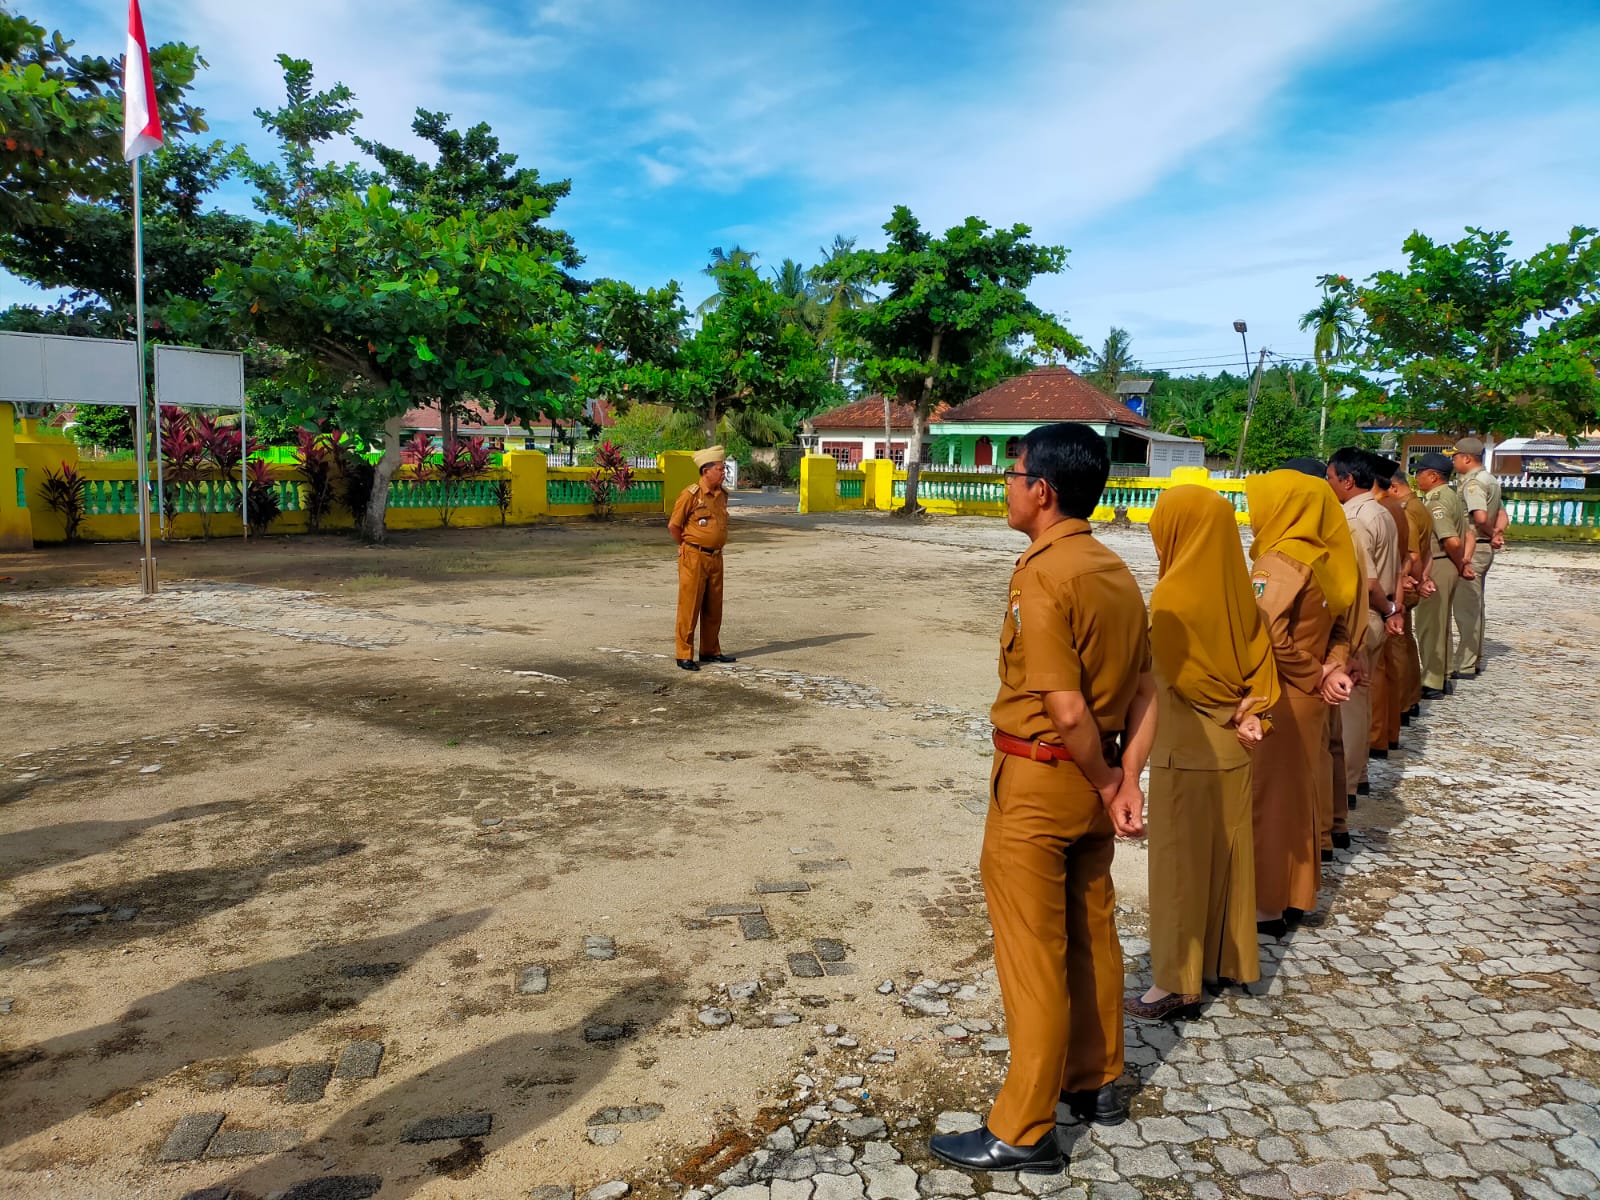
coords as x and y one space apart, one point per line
1333 320
383 309
838 287
300 187
1468 338
1281 426
747 357
952 307
471 171
738 257
61 118
1113 361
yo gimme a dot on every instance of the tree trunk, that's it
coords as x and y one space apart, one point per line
1322 422
922 409
710 429
373 526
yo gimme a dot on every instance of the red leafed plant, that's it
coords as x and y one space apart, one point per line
63 492
609 481
316 459
264 506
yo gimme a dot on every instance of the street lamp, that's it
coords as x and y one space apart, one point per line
1240 328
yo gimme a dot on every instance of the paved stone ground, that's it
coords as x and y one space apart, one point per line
1431 1034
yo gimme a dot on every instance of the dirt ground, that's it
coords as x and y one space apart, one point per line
314 794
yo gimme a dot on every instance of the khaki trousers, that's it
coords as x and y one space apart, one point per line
1047 848
1410 663
699 600
1467 607
1433 623
1202 879
1333 815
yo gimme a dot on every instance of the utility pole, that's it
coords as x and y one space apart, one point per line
1249 410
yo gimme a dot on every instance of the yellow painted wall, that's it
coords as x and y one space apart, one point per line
819 483
16 522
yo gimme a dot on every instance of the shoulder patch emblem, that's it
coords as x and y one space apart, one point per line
1016 610
1260 586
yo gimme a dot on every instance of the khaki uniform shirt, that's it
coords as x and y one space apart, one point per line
1449 517
1305 633
1480 490
703 516
1374 532
1075 622
1420 541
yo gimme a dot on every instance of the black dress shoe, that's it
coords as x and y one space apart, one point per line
1394 745
1275 928
1433 693
1341 841
1405 717
1100 1105
1416 710
688 664
1382 753
1351 801
1327 856
980 1150
1293 916
723 658
1364 788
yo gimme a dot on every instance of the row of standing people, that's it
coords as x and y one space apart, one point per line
1255 695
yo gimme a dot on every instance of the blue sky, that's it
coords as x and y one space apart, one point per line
1202 162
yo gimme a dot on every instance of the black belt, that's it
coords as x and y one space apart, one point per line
704 549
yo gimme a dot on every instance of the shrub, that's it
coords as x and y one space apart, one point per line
760 474
264 508
316 459
358 474
610 479
63 492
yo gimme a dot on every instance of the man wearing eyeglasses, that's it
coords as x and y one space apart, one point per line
1073 725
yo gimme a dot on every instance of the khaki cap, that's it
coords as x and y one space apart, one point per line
1468 445
711 454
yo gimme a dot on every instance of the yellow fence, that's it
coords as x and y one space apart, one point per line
826 487
526 489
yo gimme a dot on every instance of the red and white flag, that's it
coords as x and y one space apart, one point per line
141 120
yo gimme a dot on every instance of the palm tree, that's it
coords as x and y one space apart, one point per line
793 284
1114 360
721 260
1334 321
837 286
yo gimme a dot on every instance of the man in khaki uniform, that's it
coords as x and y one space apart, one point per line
699 524
1452 562
1073 725
1418 584
1480 496
1384 731
1350 474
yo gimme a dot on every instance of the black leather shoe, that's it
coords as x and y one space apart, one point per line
688 664
1364 788
1351 801
1327 856
1432 693
1275 928
1394 745
1378 753
722 658
1405 717
1416 710
1100 1105
980 1150
1341 841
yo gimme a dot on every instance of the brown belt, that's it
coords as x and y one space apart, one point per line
1050 752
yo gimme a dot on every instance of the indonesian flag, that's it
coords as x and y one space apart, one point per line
141 121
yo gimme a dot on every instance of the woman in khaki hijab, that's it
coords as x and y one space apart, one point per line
1214 664
1306 581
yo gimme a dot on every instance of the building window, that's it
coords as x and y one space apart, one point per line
1013 448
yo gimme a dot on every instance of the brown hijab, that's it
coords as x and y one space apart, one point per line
1206 634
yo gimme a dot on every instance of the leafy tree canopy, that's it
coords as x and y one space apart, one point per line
1472 339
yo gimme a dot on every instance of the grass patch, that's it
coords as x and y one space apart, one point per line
372 581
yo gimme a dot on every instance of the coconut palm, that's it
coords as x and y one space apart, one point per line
1334 321
837 287
721 260
793 284
1114 359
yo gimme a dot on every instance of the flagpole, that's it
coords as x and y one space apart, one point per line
147 565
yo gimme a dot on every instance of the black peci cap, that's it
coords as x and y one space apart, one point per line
1434 461
1306 466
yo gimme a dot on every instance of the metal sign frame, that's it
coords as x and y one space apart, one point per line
171 377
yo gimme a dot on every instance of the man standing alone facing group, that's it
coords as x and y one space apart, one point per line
699 524
1480 496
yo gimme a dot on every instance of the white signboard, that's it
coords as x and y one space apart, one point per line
189 378
45 368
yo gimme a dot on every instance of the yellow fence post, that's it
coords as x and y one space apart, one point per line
678 472
879 489
529 472
819 483
16 524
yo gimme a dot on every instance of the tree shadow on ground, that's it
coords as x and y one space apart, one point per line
158 903
197 1020
52 845
524 1080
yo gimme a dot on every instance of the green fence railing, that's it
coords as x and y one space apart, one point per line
22 487
576 492
436 493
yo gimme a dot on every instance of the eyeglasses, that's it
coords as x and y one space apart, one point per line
1009 475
